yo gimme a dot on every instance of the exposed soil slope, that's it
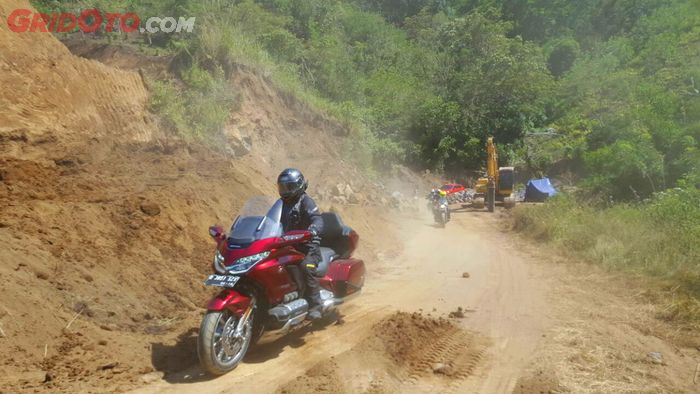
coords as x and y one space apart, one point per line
103 220
51 97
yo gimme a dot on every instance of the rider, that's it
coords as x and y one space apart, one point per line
299 212
442 199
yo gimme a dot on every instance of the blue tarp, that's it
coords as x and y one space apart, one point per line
539 190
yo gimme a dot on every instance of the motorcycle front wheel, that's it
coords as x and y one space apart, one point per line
221 344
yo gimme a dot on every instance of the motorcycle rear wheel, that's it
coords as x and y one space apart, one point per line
219 347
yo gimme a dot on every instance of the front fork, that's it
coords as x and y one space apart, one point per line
243 320
239 305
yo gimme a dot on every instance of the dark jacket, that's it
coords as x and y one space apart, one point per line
302 214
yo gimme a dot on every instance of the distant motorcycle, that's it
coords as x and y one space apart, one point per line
259 300
441 212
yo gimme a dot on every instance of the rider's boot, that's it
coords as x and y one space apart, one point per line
314 313
314 306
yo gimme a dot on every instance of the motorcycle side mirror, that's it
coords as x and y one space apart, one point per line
217 232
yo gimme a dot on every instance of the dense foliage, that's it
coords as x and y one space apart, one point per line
615 82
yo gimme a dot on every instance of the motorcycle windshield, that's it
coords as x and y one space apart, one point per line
259 218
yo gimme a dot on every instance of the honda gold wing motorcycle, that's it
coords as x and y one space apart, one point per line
259 300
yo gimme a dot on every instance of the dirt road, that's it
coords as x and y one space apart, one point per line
96 199
502 300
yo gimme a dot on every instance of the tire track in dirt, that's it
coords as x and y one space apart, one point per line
453 349
393 358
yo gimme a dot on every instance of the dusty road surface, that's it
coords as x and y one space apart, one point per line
502 301
480 316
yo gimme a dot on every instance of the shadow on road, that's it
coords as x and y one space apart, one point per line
180 364
262 353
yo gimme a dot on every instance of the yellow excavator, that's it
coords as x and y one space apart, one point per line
498 183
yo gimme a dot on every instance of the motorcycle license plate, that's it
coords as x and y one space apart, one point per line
222 280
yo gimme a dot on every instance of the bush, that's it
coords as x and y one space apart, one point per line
561 55
659 238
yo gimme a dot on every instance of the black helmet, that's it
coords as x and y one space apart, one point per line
291 183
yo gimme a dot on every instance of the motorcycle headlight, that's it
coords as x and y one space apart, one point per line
245 263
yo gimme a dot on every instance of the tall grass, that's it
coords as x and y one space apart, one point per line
193 112
659 239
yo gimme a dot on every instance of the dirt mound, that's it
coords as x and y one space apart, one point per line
406 352
541 382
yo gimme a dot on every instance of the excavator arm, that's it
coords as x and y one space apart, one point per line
491 168
491 160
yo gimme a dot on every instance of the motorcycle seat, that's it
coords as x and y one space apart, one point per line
336 235
327 256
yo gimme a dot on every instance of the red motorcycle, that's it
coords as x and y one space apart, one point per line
260 301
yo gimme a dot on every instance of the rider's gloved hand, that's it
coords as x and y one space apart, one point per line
315 236
313 256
